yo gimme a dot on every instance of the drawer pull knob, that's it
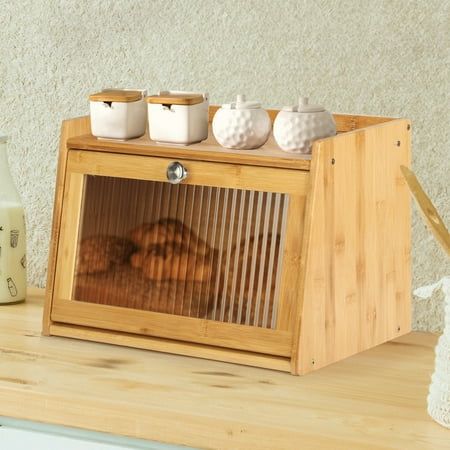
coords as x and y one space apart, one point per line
176 172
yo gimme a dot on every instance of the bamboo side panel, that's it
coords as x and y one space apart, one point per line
70 128
356 260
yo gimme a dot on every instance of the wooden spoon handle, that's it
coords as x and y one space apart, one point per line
427 209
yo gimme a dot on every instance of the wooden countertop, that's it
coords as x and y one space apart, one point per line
375 400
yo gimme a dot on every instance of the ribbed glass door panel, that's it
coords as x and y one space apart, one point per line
196 251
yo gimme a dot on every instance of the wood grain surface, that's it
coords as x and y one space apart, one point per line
116 95
268 155
374 400
356 263
69 128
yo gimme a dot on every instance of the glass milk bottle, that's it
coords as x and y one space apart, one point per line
12 236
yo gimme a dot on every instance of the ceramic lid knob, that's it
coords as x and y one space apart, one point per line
305 107
242 103
303 101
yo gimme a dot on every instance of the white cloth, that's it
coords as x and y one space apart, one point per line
439 393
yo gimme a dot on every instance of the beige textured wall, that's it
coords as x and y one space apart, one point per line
369 57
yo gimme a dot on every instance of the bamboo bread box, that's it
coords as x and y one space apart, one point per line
256 257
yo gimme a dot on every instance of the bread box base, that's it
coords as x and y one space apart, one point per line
335 282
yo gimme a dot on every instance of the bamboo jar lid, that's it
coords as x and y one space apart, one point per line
116 95
175 98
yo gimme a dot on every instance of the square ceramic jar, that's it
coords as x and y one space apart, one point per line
178 117
118 113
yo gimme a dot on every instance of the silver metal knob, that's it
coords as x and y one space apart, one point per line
176 172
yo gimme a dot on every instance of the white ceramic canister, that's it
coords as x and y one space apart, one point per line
241 124
13 280
118 113
178 117
296 127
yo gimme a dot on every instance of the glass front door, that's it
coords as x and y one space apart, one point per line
204 260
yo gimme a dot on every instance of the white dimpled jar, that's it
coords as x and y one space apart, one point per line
241 124
296 127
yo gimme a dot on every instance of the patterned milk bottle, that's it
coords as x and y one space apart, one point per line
12 236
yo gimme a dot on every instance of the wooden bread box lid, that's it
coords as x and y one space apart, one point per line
175 98
116 95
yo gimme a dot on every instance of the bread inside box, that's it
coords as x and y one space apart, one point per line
196 251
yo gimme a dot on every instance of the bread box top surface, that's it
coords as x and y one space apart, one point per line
269 155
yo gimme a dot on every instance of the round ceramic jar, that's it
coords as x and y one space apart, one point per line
241 124
296 127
